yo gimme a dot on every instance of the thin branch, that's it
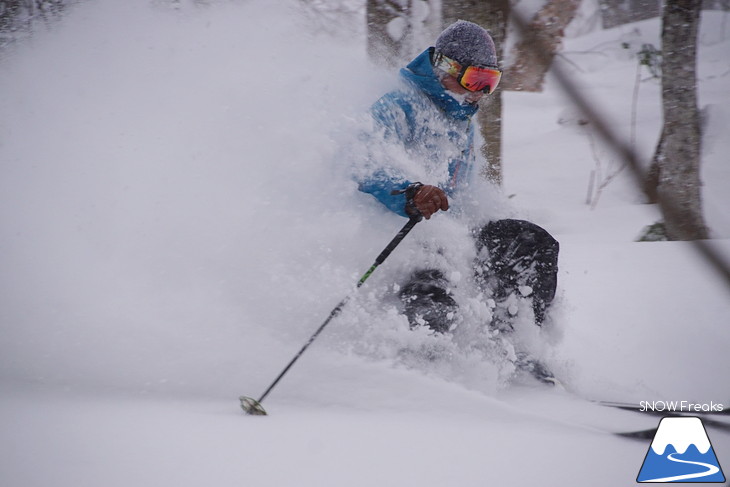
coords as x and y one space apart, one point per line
718 261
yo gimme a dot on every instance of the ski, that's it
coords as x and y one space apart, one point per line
662 412
709 418
646 434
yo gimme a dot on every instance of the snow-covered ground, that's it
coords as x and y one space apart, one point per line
175 224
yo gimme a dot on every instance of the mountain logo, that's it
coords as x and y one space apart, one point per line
681 452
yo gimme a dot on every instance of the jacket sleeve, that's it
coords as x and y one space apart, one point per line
381 186
393 126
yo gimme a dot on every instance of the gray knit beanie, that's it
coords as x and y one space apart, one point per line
467 43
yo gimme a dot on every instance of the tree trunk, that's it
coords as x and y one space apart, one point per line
399 30
678 154
492 15
388 27
651 183
534 53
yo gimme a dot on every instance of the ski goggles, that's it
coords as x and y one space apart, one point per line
473 78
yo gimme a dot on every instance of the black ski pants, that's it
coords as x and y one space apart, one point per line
520 257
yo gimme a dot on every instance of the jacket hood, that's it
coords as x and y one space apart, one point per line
420 73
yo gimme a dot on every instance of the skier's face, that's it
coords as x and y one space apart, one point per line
453 85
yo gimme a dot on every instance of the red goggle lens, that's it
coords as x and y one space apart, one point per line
475 78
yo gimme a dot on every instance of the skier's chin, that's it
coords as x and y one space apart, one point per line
465 99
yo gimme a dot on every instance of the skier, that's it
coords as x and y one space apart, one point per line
429 117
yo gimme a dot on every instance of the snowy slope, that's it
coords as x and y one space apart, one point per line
175 224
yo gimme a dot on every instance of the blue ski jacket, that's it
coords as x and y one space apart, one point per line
433 128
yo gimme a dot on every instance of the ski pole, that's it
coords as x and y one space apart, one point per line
253 406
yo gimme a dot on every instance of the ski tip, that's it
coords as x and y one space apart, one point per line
646 434
251 406
620 405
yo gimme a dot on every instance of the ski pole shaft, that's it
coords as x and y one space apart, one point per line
389 248
337 309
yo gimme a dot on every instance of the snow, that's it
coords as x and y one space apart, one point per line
176 223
